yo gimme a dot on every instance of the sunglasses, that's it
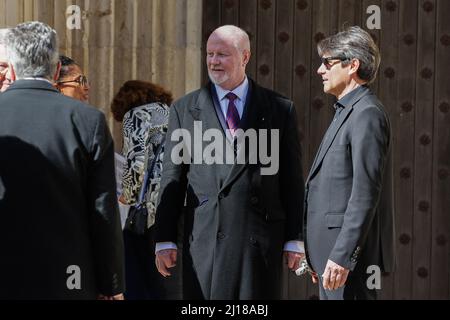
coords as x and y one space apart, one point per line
327 61
81 80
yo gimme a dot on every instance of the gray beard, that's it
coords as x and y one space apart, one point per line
215 81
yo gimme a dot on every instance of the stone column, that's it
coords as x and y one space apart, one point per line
120 40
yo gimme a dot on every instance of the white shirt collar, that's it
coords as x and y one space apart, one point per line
240 91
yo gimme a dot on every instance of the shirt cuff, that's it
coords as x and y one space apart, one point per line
165 246
295 246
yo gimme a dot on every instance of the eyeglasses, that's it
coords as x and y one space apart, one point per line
326 61
81 80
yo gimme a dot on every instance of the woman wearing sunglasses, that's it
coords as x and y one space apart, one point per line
72 82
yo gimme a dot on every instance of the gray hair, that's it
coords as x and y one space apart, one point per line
33 50
354 43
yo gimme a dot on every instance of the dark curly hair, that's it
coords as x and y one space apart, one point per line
136 93
67 65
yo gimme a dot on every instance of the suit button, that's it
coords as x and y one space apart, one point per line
221 196
254 200
253 241
220 236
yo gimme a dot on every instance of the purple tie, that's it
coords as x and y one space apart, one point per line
233 118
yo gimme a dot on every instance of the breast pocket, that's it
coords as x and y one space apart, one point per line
339 161
339 150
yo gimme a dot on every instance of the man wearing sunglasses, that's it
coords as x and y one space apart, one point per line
72 82
4 74
349 223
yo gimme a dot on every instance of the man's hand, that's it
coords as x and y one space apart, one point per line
334 276
111 298
293 259
166 259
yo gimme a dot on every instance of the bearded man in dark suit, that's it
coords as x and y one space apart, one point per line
240 216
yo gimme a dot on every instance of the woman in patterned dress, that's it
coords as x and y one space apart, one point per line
143 109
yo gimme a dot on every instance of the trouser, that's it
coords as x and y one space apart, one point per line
143 281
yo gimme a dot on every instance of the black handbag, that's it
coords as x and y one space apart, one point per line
137 218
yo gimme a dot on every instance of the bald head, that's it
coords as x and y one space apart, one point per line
235 35
228 53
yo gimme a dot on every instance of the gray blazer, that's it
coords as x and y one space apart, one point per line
348 201
236 220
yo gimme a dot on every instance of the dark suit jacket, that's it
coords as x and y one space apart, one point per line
58 204
236 219
348 221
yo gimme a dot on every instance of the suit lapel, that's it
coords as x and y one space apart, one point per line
330 136
204 110
313 167
250 115
256 116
